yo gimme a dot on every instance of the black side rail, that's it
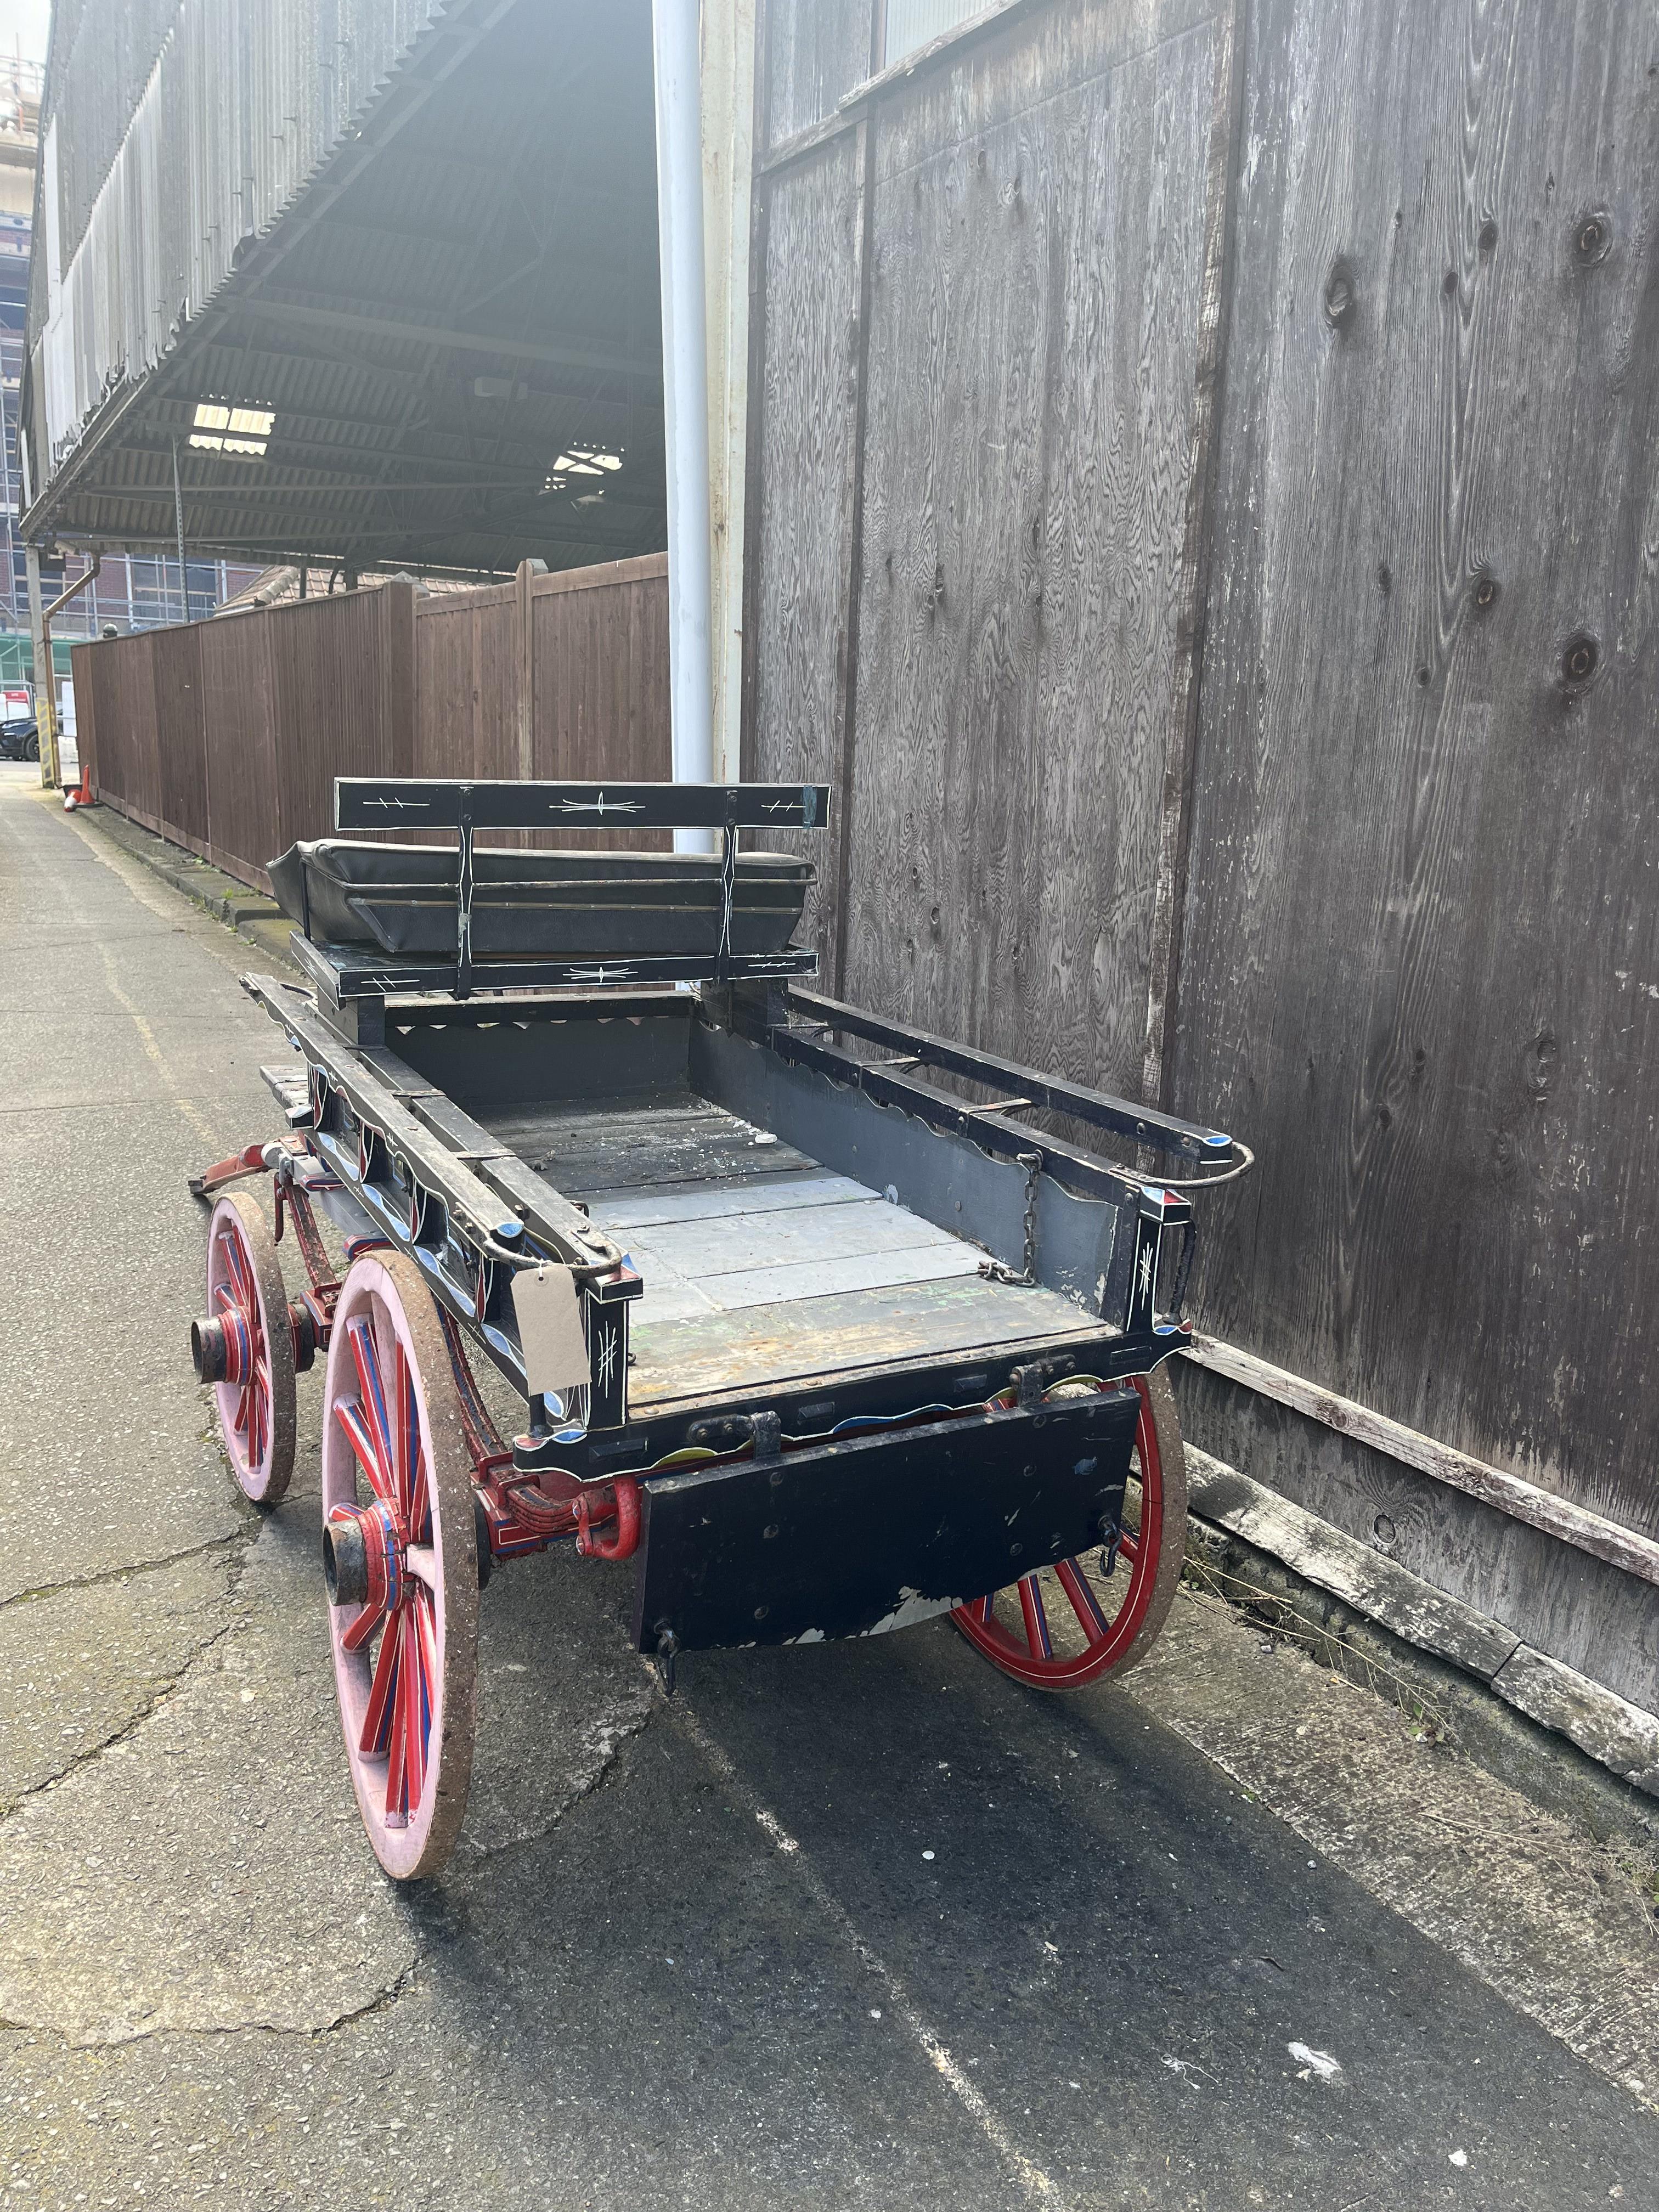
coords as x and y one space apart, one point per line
1219 1157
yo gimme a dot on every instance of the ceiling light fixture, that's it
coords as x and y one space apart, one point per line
220 428
582 461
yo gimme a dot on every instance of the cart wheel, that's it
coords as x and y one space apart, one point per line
400 1559
1112 1640
249 1361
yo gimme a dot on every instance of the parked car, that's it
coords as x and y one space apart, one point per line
19 739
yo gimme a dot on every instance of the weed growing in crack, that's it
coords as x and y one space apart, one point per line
1213 1587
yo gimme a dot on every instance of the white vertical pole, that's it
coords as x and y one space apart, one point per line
728 107
685 394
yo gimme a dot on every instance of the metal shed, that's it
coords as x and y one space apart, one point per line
373 280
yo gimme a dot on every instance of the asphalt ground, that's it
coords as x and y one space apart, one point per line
854 1925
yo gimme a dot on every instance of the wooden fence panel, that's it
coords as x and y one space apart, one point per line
1040 230
240 743
599 690
804 506
84 684
467 683
1422 937
134 702
181 735
343 690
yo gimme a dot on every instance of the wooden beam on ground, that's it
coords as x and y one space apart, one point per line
1510 1493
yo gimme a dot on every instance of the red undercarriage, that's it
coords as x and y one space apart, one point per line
522 1513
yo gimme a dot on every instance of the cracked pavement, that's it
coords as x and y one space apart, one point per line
861 1925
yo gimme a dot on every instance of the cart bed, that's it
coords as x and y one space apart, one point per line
761 1266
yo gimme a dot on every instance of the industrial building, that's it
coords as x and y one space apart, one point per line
135 591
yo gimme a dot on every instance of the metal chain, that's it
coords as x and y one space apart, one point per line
998 1271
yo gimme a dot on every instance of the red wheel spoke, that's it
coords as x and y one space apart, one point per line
1037 1620
402 1460
378 1716
1085 1604
349 1414
236 1267
396 1767
362 1628
414 1705
417 1493
422 1611
365 1354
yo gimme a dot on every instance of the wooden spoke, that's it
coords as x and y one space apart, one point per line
1113 1637
393 1419
256 1403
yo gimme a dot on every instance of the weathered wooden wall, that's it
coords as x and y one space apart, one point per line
1422 904
226 735
1204 523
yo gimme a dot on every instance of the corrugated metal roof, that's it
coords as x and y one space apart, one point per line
423 235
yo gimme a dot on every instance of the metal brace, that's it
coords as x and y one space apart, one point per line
1111 1536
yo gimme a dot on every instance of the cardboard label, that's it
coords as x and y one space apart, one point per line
550 1330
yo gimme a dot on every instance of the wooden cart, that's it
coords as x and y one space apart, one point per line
861 1343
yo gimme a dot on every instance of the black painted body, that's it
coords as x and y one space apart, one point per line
878 1529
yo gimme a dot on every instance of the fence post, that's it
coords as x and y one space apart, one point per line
45 688
524 585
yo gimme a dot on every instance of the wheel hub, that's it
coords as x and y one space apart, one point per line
364 1562
221 1349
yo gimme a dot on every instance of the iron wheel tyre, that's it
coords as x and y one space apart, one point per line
257 1407
397 1491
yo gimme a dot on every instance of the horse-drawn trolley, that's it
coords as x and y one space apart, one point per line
817 1327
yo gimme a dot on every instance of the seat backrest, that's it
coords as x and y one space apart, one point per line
420 802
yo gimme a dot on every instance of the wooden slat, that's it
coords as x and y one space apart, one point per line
1040 241
687 1359
1362 1578
631 1209
1510 1493
740 1242
804 501
628 1143
1421 926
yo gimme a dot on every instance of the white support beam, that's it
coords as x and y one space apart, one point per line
685 392
728 115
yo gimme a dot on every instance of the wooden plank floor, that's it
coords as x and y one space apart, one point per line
631 1144
696 1355
759 1264
722 1246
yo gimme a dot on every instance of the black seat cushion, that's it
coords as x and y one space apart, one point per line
401 899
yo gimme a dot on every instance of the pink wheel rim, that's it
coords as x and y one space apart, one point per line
403 1684
255 1403
1110 1637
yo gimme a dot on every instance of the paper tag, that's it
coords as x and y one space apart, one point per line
550 1330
